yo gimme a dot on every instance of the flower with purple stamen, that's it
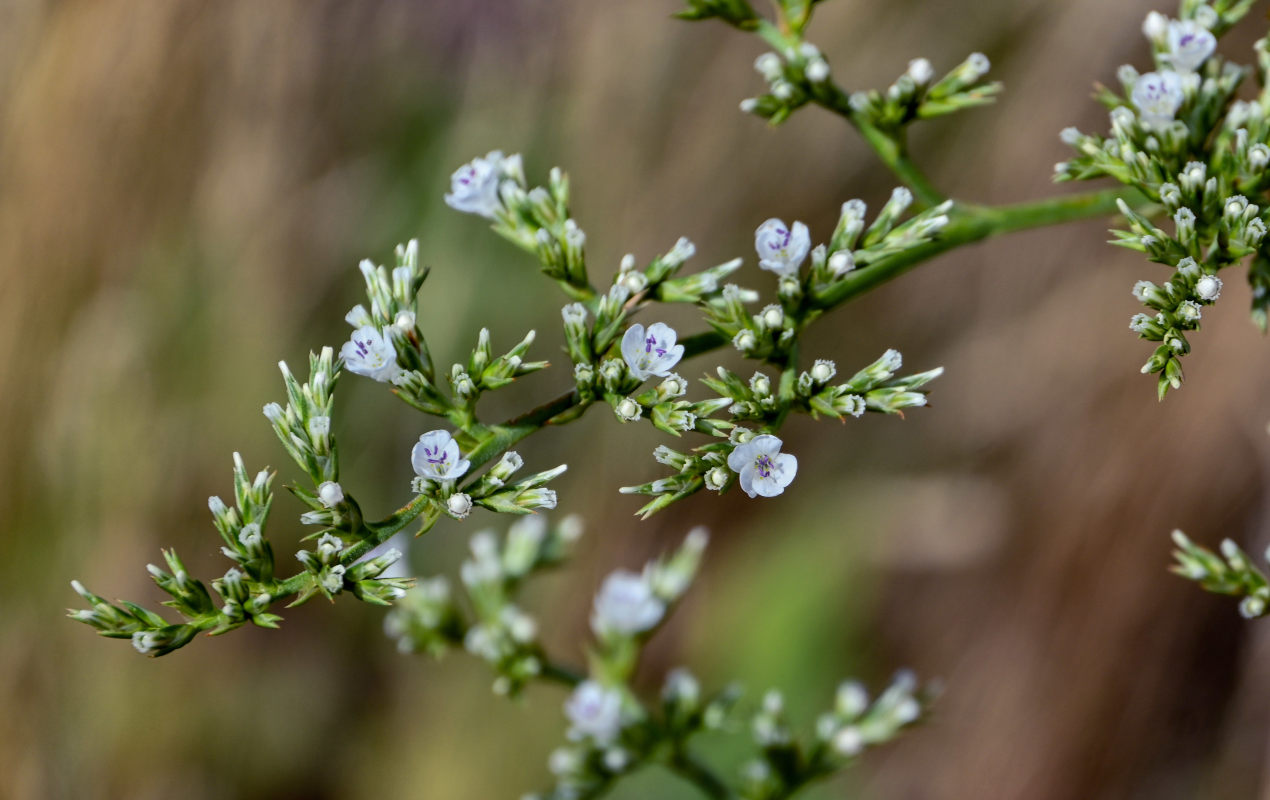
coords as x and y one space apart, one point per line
436 457
594 712
1157 95
370 352
781 248
765 471
626 605
474 186
652 351
1190 45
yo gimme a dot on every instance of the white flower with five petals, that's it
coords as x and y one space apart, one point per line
1158 95
1190 45
370 352
436 457
781 249
474 186
626 604
652 351
765 471
594 712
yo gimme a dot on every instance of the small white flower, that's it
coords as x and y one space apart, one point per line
616 759
436 456
744 340
1189 311
765 471
716 479
1208 288
628 410
848 741
773 317
331 494
626 605
319 426
474 186
781 249
405 321
250 535
358 317
920 70
370 352
146 642
978 64
594 711
823 370
459 504
1158 95
652 351
817 70
841 262
769 65
1155 27
273 412
1190 45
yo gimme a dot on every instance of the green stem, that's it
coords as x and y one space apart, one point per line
893 152
973 223
558 673
689 767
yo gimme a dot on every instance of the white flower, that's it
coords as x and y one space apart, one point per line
765 471
1190 45
1155 27
651 352
823 370
781 249
1208 288
626 604
358 317
331 494
772 316
460 504
817 70
273 412
848 741
716 479
841 262
370 352
436 456
1158 96
920 70
474 186
146 642
628 410
594 711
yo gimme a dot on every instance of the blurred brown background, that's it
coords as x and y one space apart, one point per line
185 190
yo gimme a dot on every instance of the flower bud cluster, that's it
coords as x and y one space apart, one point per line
874 388
535 219
1210 235
429 618
303 426
916 95
853 724
1232 572
1180 138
